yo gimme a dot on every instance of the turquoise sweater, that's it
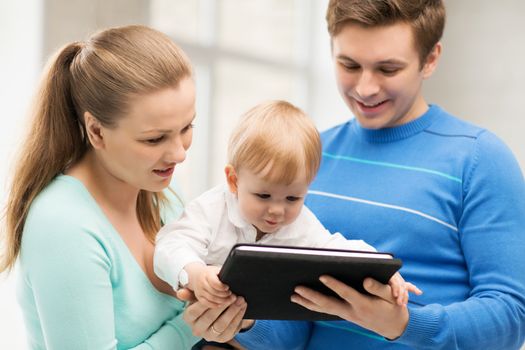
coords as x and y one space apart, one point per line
446 197
80 287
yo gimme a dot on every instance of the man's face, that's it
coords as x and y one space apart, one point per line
379 74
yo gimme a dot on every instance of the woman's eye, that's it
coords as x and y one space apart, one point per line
350 67
292 198
155 140
263 195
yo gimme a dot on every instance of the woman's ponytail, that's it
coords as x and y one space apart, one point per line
55 141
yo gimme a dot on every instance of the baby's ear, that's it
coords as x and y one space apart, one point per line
231 178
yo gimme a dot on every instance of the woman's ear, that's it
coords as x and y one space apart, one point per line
231 178
432 60
94 131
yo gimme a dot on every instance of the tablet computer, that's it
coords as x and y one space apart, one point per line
267 275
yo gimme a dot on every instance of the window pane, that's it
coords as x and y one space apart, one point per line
240 86
179 18
265 28
192 175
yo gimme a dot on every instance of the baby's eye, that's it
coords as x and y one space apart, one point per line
187 128
292 198
263 195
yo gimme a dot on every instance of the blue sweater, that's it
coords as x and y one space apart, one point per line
446 197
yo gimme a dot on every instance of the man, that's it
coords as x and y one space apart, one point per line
446 197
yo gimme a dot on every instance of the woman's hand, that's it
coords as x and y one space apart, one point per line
218 324
378 312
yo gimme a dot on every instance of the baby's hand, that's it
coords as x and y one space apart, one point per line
400 289
209 289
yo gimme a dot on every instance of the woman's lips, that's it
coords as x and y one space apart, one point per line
164 172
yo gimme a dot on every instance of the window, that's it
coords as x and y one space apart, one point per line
244 52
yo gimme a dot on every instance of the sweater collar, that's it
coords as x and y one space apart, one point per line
398 132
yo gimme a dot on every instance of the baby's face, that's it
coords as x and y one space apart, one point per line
269 206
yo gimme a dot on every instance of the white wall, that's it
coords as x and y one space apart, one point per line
481 77
20 52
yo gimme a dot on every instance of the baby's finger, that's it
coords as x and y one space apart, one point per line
216 284
413 288
213 297
218 292
405 297
402 293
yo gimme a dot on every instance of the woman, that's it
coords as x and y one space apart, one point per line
112 119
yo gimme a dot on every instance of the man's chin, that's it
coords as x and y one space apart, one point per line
371 123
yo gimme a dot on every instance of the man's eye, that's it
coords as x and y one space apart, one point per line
292 198
155 140
389 71
263 195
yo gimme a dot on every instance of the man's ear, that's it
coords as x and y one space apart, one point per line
94 131
231 178
432 61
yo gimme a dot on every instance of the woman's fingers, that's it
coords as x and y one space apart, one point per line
229 323
194 312
215 323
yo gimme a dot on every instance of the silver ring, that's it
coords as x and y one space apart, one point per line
215 330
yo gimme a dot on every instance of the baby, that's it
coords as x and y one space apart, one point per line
274 153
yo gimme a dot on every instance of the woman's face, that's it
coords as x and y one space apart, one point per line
146 144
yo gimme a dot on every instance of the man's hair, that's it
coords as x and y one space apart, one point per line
278 140
426 17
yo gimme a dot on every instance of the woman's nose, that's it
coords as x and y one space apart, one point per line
176 152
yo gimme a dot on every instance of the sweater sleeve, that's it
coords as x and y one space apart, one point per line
70 275
492 234
175 334
276 335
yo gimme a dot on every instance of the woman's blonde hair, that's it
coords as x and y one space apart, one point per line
278 140
100 76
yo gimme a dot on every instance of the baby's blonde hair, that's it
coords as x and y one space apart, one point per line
278 140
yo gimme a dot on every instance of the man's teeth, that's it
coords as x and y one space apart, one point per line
374 105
